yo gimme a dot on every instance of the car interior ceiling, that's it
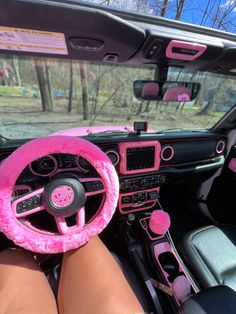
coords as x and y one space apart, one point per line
195 181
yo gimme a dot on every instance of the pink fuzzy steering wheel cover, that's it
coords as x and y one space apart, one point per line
12 167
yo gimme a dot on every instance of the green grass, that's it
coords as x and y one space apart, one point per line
11 91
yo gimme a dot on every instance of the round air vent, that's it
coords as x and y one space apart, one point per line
220 146
114 156
167 153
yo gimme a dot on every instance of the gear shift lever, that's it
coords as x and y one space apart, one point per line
159 222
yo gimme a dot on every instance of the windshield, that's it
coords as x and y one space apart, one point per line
40 96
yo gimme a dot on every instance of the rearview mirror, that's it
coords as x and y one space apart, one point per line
165 91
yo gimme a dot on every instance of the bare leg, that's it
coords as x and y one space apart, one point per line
92 283
23 287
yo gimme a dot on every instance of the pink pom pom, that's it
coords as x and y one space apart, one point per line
181 288
159 222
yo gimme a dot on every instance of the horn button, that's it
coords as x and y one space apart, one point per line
64 197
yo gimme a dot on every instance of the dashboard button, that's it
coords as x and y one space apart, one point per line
153 195
144 182
126 199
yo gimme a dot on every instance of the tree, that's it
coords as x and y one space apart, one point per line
43 82
49 82
71 87
16 67
164 7
179 8
84 89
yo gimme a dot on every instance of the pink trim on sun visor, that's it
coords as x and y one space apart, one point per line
184 45
23 156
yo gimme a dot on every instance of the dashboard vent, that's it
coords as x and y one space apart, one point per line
220 146
167 153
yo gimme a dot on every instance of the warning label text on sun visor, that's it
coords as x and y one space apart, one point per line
19 39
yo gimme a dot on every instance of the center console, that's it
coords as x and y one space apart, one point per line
167 261
151 249
139 190
157 258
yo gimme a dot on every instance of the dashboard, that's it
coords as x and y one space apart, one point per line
143 163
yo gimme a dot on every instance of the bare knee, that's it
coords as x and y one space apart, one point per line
18 257
19 272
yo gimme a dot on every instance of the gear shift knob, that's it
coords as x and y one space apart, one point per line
159 222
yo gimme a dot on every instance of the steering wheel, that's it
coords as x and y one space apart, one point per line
61 197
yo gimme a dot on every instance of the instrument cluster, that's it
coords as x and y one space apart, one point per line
49 165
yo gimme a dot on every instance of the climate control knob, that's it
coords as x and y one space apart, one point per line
125 185
162 179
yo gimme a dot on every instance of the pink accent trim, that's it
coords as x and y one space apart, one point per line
62 196
134 210
46 175
185 45
25 197
165 247
171 155
82 131
65 230
123 148
219 151
121 206
232 164
144 222
115 153
32 150
159 222
79 166
21 187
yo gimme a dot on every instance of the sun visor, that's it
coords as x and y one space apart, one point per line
47 28
225 64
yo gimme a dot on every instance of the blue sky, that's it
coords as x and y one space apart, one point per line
193 12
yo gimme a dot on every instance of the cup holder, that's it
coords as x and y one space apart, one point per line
173 271
170 265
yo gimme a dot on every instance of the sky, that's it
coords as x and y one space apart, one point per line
193 12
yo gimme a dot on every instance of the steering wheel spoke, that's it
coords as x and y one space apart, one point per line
93 186
63 227
28 204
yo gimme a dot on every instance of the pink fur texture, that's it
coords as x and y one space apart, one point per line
12 167
159 222
181 288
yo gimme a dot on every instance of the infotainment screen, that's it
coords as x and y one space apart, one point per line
140 158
